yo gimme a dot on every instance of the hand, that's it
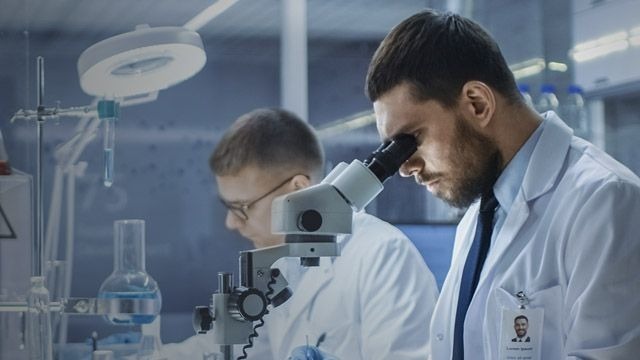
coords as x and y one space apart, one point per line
307 352
119 338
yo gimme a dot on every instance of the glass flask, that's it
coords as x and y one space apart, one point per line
38 324
129 279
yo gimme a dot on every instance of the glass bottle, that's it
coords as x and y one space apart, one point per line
129 279
38 324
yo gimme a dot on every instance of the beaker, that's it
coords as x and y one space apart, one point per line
129 279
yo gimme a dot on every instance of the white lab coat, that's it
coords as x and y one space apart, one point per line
372 302
571 242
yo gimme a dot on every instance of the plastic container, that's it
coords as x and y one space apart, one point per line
575 113
129 279
525 92
548 101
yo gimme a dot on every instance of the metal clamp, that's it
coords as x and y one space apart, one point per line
522 299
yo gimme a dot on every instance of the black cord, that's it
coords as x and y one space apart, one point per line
260 321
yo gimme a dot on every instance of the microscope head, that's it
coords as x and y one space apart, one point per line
327 208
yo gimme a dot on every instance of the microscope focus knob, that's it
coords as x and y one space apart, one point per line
247 304
309 220
202 319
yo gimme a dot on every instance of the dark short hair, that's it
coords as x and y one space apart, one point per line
437 54
271 139
521 317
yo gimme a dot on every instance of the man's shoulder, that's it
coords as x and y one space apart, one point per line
594 167
371 235
369 228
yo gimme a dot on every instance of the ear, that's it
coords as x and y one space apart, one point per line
478 101
300 182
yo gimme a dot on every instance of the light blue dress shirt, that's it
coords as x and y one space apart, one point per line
506 189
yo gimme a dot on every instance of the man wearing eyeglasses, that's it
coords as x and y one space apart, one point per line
372 302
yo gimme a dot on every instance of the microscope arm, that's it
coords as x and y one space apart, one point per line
255 265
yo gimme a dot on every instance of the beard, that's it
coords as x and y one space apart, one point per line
475 163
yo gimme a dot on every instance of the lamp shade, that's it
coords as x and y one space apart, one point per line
141 61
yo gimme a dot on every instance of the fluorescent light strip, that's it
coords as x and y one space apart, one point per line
557 66
605 45
600 51
528 68
604 40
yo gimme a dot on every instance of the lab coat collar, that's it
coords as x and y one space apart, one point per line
548 157
544 168
509 183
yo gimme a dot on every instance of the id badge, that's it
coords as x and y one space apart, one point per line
521 334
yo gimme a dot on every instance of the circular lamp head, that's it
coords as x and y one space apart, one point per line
141 61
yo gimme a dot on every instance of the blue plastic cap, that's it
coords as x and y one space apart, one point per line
547 88
574 89
108 109
524 88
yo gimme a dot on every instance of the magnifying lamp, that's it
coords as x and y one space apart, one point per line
141 61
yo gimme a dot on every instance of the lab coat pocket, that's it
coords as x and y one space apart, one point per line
550 301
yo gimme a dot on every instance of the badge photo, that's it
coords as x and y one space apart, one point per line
521 335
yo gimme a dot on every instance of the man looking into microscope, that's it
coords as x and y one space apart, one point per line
374 301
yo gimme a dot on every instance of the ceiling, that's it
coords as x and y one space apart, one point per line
330 19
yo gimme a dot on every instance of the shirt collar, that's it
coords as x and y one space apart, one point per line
508 184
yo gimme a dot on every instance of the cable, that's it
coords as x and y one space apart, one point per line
261 320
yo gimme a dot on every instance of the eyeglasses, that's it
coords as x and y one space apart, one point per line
240 210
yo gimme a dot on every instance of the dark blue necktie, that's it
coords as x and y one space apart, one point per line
473 268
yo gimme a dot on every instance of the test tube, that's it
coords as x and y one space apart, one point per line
108 113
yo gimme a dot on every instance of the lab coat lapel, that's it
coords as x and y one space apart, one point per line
542 172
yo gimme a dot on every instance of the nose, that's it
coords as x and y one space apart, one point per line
412 166
232 221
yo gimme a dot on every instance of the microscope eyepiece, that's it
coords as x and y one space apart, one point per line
388 157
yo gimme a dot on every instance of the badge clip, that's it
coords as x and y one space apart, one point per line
522 299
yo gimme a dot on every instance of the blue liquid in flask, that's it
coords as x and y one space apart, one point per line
131 319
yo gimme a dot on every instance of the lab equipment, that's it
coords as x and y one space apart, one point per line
38 326
141 61
151 344
575 113
5 166
129 279
180 48
311 219
108 112
548 100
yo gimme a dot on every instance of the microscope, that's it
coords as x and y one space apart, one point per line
311 219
